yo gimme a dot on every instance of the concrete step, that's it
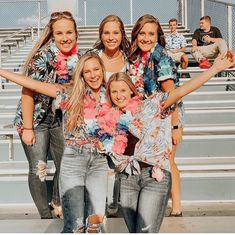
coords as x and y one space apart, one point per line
209 116
117 225
206 146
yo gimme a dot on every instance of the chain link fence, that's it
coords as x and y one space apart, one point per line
23 13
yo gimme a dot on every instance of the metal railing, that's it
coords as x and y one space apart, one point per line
17 33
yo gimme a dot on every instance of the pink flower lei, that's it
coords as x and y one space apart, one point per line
109 125
137 70
66 62
114 124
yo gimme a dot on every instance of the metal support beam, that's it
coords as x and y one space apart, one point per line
230 27
202 8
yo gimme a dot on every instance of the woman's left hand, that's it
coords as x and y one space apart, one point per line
176 136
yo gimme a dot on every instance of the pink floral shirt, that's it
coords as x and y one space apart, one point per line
152 127
84 133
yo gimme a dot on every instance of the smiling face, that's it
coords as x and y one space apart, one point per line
120 93
93 74
173 26
111 36
147 37
64 35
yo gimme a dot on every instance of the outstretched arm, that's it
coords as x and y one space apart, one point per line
222 62
36 86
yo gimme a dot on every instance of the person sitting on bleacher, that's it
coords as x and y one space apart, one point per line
176 44
207 43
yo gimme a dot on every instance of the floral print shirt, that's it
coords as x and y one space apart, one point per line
47 65
84 133
176 41
150 69
152 127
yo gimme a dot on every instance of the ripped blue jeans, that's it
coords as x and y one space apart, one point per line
83 185
49 140
144 200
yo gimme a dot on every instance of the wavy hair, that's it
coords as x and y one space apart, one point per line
125 43
77 93
136 30
46 37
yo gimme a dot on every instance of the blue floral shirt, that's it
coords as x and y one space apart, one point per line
176 41
147 76
153 129
43 68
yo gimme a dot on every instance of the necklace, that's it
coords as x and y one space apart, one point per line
114 56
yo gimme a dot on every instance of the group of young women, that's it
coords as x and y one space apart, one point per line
117 104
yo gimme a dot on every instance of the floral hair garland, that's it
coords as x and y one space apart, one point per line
109 125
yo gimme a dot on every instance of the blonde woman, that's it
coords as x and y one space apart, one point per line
52 60
83 174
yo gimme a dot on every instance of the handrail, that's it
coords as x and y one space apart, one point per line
18 32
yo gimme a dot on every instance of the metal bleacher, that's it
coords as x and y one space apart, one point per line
206 157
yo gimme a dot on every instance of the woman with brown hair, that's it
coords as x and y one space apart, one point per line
113 48
113 45
153 71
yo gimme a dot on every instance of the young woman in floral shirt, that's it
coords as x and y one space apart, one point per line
52 60
152 71
83 174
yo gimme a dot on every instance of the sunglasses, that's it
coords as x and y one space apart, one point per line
57 14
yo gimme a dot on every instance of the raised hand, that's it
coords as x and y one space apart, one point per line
224 61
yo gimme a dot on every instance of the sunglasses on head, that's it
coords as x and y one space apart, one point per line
57 14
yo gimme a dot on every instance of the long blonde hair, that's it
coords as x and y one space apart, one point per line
46 37
76 94
118 77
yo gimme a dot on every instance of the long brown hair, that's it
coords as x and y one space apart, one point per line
118 77
77 92
125 43
47 35
137 28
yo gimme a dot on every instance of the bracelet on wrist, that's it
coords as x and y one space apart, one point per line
175 127
26 128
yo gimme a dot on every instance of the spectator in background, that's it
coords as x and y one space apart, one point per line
176 44
207 43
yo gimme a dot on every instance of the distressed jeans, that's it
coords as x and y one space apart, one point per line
83 185
49 140
144 201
